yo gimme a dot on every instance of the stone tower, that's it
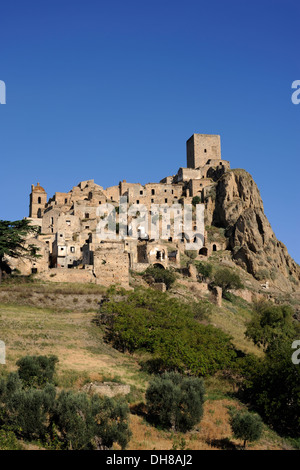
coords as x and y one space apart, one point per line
38 201
202 147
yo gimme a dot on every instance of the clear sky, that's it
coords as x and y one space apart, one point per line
111 90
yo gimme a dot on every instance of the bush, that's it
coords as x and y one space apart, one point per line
196 200
91 423
69 421
37 370
175 401
246 426
270 323
192 254
154 322
28 411
205 269
161 275
8 441
227 279
272 387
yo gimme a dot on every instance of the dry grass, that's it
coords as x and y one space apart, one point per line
61 296
71 336
83 356
213 433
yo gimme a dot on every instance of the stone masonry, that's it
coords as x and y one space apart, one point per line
67 239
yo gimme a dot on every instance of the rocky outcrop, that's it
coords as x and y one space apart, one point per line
239 209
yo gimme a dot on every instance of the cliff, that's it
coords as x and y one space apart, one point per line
238 208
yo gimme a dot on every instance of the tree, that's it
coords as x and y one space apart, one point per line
246 426
272 387
161 275
227 279
84 422
270 323
175 401
165 327
37 370
12 242
205 269
28 411
68 421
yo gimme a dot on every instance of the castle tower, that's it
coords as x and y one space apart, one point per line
202 147
38 201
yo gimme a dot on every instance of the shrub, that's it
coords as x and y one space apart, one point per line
151 321
246 426
205 269
196 200
69 421
270 323
192 254
37 370
28 410
8 441
91 423
161 275
175 401
272 387
227 279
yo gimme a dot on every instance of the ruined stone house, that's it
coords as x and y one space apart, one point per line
67 242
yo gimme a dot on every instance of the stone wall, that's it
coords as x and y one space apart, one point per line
202 147
111 264
108 389
68 275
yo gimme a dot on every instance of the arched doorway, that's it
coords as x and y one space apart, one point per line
158 265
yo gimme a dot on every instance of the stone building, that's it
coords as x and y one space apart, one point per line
68 222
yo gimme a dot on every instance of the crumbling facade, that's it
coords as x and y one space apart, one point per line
68 221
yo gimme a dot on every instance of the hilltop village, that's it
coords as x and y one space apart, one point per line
67 244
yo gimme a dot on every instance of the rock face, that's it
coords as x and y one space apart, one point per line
239 209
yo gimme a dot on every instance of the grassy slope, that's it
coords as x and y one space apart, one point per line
69 333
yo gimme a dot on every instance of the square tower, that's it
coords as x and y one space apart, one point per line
202 147
38 201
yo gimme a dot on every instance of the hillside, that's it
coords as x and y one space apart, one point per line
30 326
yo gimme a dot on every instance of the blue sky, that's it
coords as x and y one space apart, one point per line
112 90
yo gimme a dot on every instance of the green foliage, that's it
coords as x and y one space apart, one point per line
8 441
12 240
151 321
272 384
196 200
175 401
67 421
227 279
27 411
246 426
91 422
270 323
37 370
192 254
205 269
160 275
272 387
